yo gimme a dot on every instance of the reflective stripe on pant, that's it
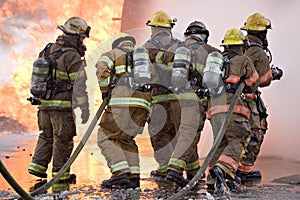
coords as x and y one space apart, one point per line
118 128
188 118
256 138
37 168
65 175
162 133
56 138
233 143
252 151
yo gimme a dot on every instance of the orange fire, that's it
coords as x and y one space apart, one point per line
26 27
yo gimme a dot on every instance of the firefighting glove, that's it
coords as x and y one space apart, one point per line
85 114
277 73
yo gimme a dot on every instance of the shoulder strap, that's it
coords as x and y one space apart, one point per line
251 44
129 61
58 53
63 50
158 44
193 49
226 65
47 50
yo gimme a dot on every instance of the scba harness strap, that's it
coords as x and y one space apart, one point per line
53 87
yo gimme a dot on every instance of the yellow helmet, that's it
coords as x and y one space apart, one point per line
233 37
75 26
257 22
161 19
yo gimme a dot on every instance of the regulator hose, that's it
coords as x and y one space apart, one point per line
216 143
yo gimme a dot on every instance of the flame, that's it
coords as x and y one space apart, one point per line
26 27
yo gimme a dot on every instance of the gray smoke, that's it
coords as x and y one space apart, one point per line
281 98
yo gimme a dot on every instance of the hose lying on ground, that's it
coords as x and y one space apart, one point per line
13 183
77 150
216 143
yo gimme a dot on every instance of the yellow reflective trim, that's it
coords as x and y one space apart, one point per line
162 168
107 60
119 166
159 62
122 69
40 70
134 169
59 187
37 168
103 82
173 97
159 56
55 103
74 75
177 162
199 68
82 100
192 166
65 176
130 101
65 76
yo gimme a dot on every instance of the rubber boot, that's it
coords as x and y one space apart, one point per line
235 185
157 176
60 187
116 181
72 179
253 175
38 184
176 178
219 176
38 174
134 183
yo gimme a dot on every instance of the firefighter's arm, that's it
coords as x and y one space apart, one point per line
76 72
81 96
251 77
264 69
104 67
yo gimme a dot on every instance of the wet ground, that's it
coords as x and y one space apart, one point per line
281 178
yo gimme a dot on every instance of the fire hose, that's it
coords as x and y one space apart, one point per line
13 183
216 143
76 152
25 195
83 141
183 191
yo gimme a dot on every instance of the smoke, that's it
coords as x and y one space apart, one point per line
27 25
21 26
281 98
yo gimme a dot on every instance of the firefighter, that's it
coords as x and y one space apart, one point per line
160 126
237 68
68 90
257 49
189 118
125 116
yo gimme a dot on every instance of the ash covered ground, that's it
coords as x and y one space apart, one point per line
281 178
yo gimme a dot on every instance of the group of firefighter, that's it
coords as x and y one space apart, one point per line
171 85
